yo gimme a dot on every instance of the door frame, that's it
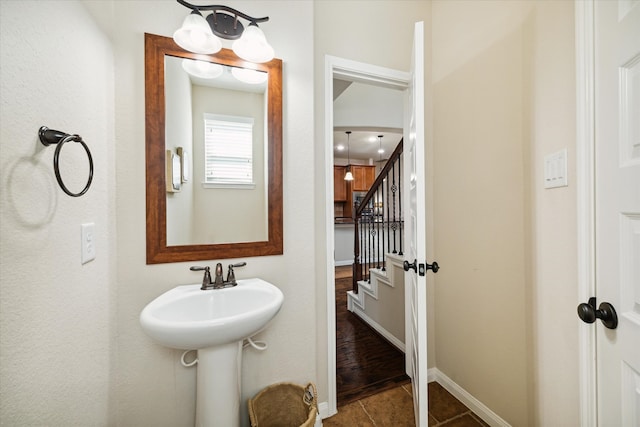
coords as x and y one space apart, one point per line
585 183
356 72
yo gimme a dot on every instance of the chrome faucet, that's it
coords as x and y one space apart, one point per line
218 282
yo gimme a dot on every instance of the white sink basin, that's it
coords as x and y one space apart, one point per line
189 318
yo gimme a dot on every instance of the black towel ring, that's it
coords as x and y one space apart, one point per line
50 136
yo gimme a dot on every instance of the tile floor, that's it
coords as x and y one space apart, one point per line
395 408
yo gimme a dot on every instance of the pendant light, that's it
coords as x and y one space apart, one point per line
348 176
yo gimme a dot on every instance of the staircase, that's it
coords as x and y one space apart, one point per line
378 224
380 302
377 294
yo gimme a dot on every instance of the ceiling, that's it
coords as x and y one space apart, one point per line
367 111
364 143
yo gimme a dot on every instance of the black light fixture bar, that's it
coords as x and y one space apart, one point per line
221 24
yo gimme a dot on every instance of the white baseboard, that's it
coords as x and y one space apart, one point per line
323 410
343 263
356 308
478 408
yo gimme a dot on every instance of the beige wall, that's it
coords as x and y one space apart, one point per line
553 251
240 214
57 316
178 133
505 297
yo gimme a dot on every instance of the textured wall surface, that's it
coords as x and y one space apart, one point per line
57 324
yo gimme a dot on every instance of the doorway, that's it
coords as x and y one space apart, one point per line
349 71
368 121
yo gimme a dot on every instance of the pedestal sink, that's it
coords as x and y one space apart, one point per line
214 322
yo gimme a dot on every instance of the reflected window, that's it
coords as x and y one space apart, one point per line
228 145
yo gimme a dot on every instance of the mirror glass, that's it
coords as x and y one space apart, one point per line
214 154
203 101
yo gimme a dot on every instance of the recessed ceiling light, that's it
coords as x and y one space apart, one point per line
340 147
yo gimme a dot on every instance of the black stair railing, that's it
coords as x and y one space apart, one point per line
378 223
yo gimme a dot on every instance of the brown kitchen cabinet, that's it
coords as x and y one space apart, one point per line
343 197
363 177
339 184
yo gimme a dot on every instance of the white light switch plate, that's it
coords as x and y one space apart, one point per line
555 170
88 242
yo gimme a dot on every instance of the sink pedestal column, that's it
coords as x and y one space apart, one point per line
218 386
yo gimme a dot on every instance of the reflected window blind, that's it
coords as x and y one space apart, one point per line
228 152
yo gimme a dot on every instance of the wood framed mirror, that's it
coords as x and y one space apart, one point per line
160 249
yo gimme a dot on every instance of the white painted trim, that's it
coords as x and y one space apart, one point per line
358 310
370 288
381 277
323 410
353 71
431 374
478 408
332 403
585 165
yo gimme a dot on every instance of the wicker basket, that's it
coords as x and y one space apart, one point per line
284 405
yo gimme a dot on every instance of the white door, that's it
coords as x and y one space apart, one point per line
414 219
617 138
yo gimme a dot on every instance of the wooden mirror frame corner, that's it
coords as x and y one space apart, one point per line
156 47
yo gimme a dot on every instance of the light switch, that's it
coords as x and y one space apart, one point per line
88 242
555 169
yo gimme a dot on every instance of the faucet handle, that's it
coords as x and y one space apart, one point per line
206 280
231 276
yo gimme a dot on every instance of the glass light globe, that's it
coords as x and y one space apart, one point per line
195 35
253 45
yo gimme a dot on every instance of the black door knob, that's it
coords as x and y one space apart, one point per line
433 267
606 313
406 265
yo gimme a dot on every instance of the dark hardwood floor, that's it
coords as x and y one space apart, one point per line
366 362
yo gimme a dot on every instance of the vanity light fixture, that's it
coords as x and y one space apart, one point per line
348 176
202 35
